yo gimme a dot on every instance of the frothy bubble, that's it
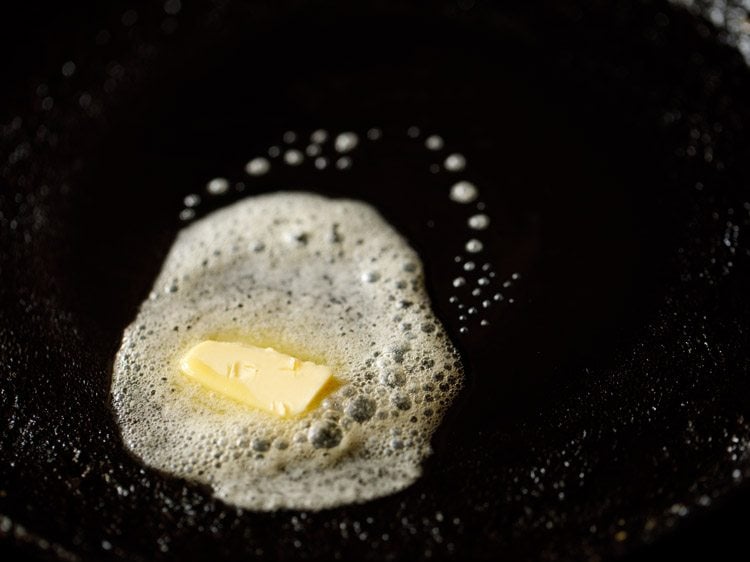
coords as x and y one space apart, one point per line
321 279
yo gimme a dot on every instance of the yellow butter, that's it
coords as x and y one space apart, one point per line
259 377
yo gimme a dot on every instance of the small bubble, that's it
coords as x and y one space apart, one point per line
68 69
192 200
464 192
459 282
129 18
479 222
289 137
172 7
392 377
474 246
257 166
261 445
324 434
455 163
217 186
360 409
319 136
293 157
434 142
370 276
401 401
344 163
413 132
374 134
346 142
321 163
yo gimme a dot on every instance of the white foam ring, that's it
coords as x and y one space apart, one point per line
326 280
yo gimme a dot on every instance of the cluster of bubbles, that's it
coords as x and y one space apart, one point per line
323 280
322 149
477 286
732 16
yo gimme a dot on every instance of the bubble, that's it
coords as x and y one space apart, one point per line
274 151
474 246
192 200
217 186
361 408
393 376
401 401
321 162
413 132
370 276
313 150
464 192
289 137
434 142
324 434
68 69
344 163
261 445
257 166
470 266
346 142
374 134
459 282
455 163
319 136
172 7
293 157
479 222
187 214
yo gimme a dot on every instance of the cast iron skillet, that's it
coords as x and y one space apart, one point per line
606 403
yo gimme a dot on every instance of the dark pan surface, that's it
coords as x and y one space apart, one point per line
605 406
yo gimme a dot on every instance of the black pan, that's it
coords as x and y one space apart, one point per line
607 409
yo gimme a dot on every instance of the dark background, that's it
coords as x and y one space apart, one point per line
623 287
